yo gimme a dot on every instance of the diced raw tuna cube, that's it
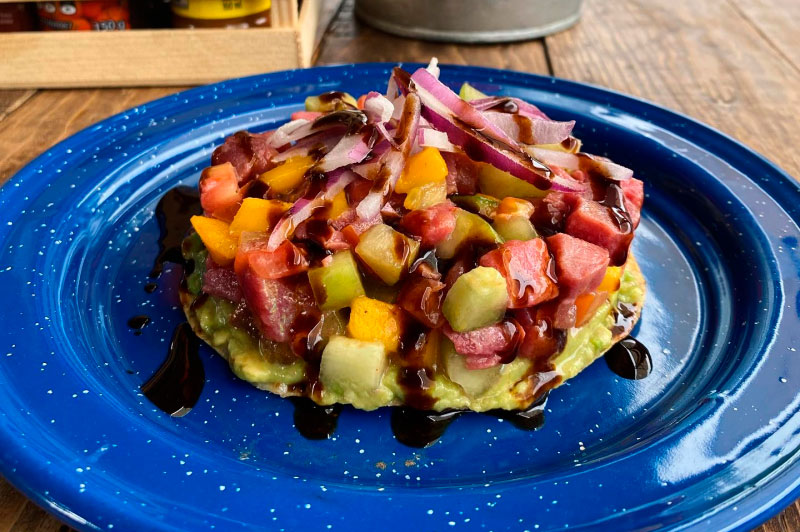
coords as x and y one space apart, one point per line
491 340
525 267
580 265
220 194
250 154
275 303
487 346
432 225
633 189
221 282
542 338
462 174
592 222
551 211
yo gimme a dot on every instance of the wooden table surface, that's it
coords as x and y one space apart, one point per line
734 64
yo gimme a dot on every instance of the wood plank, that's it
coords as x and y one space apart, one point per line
701 58
12 503
142 57
350 41
778 21
50 116
11 100
34 519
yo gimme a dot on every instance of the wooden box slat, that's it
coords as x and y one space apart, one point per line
158 57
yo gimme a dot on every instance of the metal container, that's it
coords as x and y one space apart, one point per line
471 21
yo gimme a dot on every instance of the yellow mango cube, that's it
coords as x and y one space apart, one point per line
257 215
511 206
217 239
375 321
288 175
422 168
610 281
338 205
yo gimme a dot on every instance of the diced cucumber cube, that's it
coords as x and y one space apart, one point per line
477 299
338 283
352 365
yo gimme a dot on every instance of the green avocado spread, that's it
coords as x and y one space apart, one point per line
509 386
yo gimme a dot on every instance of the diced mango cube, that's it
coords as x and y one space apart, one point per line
515 207
216 236
375 321
288 175
422 168
425 196
610 281
256 214
338 205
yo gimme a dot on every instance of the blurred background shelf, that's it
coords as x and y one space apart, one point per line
161 57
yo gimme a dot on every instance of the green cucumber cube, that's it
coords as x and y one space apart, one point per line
478 298
386 252
338 283
514 228
352 365
469 228
473 381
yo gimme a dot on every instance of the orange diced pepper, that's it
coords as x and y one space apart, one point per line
288 175
422 168
217 239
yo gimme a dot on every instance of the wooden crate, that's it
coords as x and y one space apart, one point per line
50 59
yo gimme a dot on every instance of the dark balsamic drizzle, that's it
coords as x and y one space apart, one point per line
313 421
173 212
176 385
531 418
629 359
420 428
137 323
615 203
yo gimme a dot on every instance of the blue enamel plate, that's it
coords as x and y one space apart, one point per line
709 441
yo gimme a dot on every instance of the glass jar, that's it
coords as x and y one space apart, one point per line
220 13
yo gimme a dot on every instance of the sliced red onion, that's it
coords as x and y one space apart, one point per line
438 97
378 108
527 130
337 181
480 149
523 108
591 164
351 149
393 161
300 129
290 132
398 104
433 67
305 207
319 143
298 212
400 80
435 139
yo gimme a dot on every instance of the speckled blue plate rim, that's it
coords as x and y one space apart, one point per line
771 497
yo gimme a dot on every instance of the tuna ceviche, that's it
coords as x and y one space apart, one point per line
413 247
